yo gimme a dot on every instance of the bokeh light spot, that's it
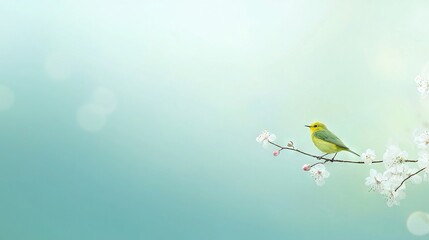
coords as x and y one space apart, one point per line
418 223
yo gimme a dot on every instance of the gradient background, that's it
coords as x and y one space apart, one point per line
194 83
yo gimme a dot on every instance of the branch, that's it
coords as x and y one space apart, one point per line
409 178
324 158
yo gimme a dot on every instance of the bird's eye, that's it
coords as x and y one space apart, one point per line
315 125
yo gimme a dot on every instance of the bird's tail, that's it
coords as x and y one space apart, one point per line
353 152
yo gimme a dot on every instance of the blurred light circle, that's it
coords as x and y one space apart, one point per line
418 223
91 117
105 99
58 66
7 98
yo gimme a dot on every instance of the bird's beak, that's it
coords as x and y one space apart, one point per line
306 126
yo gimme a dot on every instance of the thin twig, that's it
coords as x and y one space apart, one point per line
328 159
314 164
409 178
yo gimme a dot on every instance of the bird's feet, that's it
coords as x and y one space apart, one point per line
320 157
332 160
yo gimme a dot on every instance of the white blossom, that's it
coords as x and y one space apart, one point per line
319 173
399 173
375 180
392 193
265 137
422 139
368 156
393 197
396 171
394 157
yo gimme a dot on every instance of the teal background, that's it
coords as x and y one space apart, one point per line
195 83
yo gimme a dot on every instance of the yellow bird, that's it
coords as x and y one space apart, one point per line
326 141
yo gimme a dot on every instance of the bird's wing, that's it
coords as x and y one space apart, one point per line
328 136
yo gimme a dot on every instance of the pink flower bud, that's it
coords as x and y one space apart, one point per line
276 153
306 167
